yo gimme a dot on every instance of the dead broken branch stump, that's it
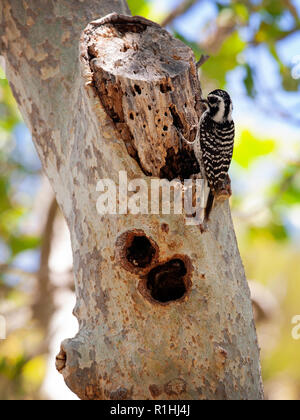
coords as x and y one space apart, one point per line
147 84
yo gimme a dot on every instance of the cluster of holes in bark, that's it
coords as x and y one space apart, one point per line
162 282
110 96
182 164
130 27
179 165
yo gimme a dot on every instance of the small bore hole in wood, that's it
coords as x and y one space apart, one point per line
176 118
164 88
137 89
166 282
140 252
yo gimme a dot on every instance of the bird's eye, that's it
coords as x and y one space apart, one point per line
212 100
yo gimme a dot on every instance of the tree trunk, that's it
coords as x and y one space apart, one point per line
164 309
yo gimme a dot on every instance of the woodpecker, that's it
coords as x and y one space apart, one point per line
213 145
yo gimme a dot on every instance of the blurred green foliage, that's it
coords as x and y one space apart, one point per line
225 60
11 209
21 373
267 233
249 147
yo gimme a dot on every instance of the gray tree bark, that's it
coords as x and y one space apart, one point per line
90 119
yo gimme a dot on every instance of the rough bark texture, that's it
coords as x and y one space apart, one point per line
163 310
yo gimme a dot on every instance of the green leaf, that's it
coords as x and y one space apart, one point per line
4 195
249 81
287 189
248 148
22 243
10 219
288 83
141 7
34 371
227 59
241 11
269 33
273 7
193 45
273 231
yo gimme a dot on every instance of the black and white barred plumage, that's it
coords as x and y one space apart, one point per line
216 138
214 142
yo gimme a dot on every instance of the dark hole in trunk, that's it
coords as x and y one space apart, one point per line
166 282
176 118
182 164
140 253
